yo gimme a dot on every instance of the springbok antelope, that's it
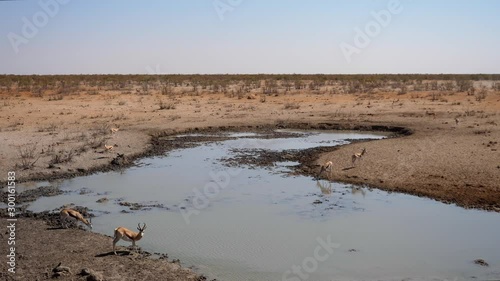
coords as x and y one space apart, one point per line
70 214
328 166
128 235
114 130
457 121
108 147
358 155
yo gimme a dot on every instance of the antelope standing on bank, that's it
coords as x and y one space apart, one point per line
327 167
128 235
70 214
357 156
108 147
114 130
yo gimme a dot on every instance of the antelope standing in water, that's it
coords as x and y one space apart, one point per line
128 235
357 156
70 214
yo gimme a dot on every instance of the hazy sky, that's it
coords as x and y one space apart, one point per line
249 36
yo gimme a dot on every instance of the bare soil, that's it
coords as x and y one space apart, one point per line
41 246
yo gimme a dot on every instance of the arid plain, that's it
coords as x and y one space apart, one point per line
64 126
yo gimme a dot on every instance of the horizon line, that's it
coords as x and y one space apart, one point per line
242 74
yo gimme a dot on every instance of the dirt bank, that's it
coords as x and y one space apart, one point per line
453 166
41 246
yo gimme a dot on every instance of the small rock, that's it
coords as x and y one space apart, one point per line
481 262
102 200
84 191
60 270
120 160
163 257
91 275
95 276
85 272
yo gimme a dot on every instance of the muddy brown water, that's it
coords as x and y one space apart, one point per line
254 223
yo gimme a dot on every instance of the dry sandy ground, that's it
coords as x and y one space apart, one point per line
450 165
442 159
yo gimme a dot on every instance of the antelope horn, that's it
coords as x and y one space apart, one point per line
141 228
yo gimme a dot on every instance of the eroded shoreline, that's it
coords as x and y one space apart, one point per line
159 144
163 142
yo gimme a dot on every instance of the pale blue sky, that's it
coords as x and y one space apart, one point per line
256 36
